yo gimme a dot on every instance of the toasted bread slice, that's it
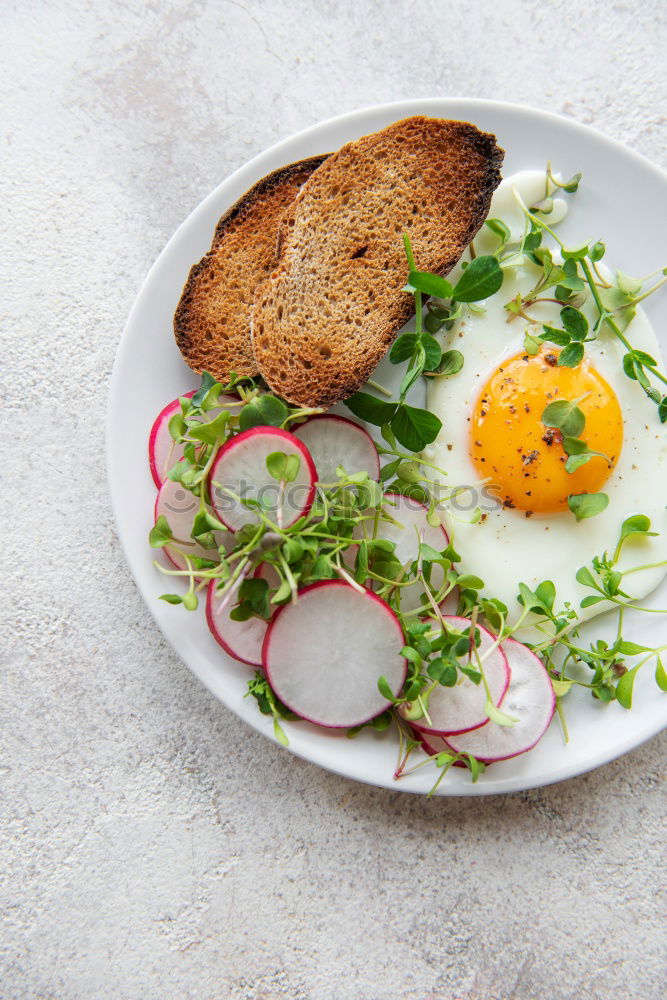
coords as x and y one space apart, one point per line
212 321
328 313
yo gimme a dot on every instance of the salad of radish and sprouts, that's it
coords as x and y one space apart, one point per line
323 555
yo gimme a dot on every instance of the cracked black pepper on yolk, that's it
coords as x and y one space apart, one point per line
524 460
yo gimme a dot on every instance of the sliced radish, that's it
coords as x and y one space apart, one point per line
179 507
334 441
432 744
241 468
461 708
530 699
241 640
163 452
324 654
411 529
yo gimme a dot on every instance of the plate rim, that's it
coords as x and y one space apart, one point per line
248 170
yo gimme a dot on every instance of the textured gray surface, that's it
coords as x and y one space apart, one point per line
152 846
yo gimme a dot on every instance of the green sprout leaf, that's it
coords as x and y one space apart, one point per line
443 671
585 505
207 383
282 467
660 675
620 305
579 453
451 363
629 286
575 462
495 715
592 599
279 732
482 278
213 432
540 600
499 229
546 593
370 408
432 352
561 688
570 186
171 598
160 534
571 279
634 526
385 690
556 336
574 322
264 411
571 356
414 428
586 578
578 253
403 348
177 426
428 284
476 767
565 415
625 686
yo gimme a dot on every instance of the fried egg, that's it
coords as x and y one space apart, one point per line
499 455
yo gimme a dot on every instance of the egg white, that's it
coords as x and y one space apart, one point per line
506 547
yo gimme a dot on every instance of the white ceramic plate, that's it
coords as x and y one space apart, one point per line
618 201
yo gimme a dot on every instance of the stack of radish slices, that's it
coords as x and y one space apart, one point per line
324 653
519 685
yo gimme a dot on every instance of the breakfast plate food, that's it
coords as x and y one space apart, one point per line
403 508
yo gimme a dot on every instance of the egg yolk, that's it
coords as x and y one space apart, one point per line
522 458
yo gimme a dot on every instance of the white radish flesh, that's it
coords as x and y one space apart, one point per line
163 452
241 470
530 699
334 441
412 529
324 654
180 507
461 708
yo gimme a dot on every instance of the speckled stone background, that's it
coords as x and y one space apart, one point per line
152 846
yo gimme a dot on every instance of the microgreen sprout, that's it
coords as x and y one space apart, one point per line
412 426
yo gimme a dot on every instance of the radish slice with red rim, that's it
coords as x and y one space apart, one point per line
324 654
432 745
412 528
530 699
180 507
163 452
242 640
461 708
334 441
241 469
